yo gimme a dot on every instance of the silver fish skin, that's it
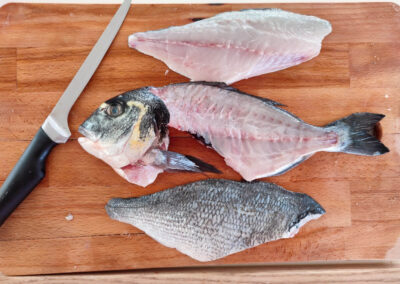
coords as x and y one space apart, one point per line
213 218
256 137
235 45
129 132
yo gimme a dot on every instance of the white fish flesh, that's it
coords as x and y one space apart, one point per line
235 45
256 137
213 218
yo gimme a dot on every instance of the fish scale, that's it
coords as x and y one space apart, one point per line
229 216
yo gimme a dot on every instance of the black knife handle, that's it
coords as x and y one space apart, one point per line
27 173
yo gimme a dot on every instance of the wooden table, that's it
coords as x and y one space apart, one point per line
41 48
272 274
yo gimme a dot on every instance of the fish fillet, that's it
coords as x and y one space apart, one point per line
235 45
213 218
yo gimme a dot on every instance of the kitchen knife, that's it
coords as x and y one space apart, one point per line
30 169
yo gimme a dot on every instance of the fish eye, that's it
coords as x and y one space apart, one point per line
114 109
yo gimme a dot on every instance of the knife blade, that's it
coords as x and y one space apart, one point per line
30 168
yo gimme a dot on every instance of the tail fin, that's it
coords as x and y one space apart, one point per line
175 162
357 134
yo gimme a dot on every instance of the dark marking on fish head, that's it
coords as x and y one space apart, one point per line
156 117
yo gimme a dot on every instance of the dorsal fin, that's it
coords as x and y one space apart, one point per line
224 86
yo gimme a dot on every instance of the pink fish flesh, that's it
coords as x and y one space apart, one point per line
235 45
255 136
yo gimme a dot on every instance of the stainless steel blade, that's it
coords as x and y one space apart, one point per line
56 124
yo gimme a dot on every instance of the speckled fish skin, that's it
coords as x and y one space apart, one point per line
129 132
256 137
235 45
213 218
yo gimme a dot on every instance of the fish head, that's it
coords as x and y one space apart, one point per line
125 127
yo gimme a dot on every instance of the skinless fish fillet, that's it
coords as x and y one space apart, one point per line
255 136
213 218
235 45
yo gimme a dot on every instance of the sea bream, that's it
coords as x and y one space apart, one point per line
213 218
235 45
129 132
255 135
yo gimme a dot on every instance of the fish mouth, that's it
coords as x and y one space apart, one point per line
82 130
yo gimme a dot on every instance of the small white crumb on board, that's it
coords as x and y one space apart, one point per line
69 217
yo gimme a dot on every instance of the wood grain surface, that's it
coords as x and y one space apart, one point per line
42 47
272 274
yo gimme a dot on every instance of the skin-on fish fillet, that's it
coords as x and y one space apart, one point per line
235 45
213 218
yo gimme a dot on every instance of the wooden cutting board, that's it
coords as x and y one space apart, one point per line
41 49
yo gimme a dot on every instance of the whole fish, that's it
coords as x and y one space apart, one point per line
213 218
235 45
129 132
256 137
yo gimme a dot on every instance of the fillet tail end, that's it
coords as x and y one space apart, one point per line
357 134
